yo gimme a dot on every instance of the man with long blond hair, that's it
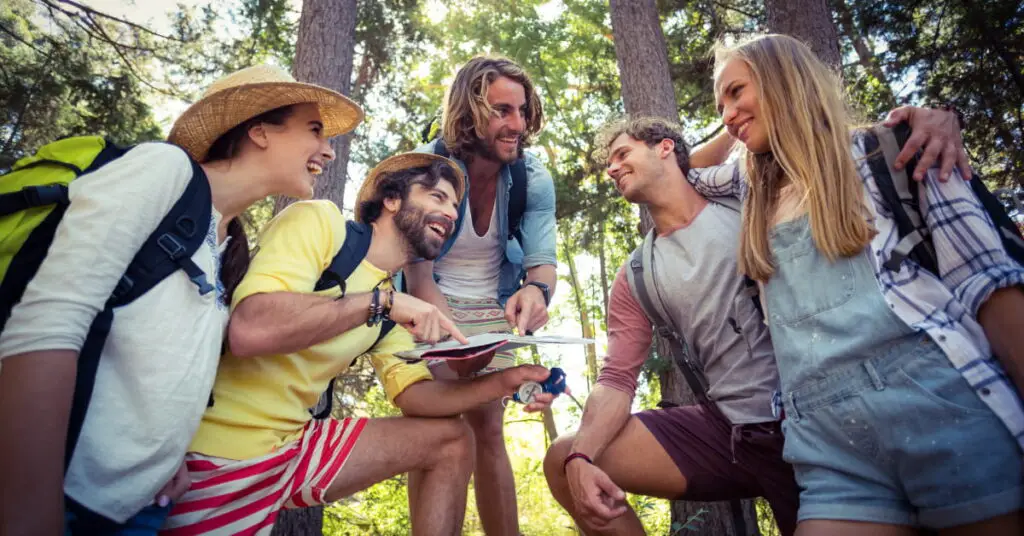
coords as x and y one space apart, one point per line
497 270
729 446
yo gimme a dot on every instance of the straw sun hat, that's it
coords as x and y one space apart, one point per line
399 162
244 94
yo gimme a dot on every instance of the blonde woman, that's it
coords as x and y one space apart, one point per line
256 132
896 414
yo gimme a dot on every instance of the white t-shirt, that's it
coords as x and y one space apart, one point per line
472 267
160 359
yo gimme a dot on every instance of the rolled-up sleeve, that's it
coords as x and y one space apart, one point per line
972 261
725 180
396 374
538 224
629 338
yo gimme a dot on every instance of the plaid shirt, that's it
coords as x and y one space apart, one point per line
972 264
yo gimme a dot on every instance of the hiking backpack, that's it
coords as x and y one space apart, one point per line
33 199
353 250
903 197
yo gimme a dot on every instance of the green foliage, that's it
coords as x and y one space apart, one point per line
56 81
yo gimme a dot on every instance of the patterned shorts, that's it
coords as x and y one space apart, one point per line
474 316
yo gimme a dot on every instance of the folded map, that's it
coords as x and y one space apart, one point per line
483 343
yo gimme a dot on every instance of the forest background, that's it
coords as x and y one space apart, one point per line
127 69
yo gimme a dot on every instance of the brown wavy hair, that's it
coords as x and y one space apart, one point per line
466 112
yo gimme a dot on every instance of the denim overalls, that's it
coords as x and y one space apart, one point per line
879 425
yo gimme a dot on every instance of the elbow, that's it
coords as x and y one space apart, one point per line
244 340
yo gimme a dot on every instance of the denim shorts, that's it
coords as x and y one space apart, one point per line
900 439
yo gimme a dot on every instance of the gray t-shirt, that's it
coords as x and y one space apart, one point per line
697 278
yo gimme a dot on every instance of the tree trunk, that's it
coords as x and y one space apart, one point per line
323 56
299 522
647 89
587 330
864 49
809 21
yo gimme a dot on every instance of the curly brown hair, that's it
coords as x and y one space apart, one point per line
466 111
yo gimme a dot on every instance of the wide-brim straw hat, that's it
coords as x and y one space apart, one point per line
244 94
400 162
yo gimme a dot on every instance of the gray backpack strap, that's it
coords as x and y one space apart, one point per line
640 281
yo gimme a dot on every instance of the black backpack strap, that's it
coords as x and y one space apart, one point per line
641 281
517 198
168 248
172 244
33 196
325 405
894 185
1008 231
353 250
357 242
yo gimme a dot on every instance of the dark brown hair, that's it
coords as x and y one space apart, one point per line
235 260
396 185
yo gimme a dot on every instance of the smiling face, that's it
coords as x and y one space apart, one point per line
738 101
426 217
296 151
502 140
637 168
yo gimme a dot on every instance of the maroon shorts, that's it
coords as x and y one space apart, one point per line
720 463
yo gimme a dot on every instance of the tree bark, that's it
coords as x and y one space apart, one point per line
323 56
647 89
809 21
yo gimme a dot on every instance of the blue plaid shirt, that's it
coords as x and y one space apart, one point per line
972 265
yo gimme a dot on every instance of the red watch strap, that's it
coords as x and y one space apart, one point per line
572 456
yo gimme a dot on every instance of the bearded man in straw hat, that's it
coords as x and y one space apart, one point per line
497 270
257 449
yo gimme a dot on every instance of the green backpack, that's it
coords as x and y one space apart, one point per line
33 199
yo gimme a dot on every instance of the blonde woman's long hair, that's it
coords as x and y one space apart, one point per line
809 128
466 111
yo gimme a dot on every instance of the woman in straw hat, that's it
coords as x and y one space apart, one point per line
254 133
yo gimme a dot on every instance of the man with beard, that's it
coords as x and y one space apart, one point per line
497 270
257 449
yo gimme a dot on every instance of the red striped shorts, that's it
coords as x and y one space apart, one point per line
244 496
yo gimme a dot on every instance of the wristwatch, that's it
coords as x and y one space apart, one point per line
544 289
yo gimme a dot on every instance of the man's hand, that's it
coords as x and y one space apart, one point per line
938 132
465 367
175 488
423 320
598 500
512 378
526 309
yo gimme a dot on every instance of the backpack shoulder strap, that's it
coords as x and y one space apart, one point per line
517 198
641 280
894 185
353 250
440 149
169 248
325 405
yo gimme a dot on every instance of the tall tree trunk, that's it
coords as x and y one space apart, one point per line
603 265
548 416
865 51
323 56
809 21
647 89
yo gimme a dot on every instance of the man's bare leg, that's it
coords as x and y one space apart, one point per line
493 480
656 476
438 454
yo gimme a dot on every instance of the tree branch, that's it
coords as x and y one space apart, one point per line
98 13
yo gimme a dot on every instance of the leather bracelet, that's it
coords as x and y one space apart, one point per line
572 456
375 308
